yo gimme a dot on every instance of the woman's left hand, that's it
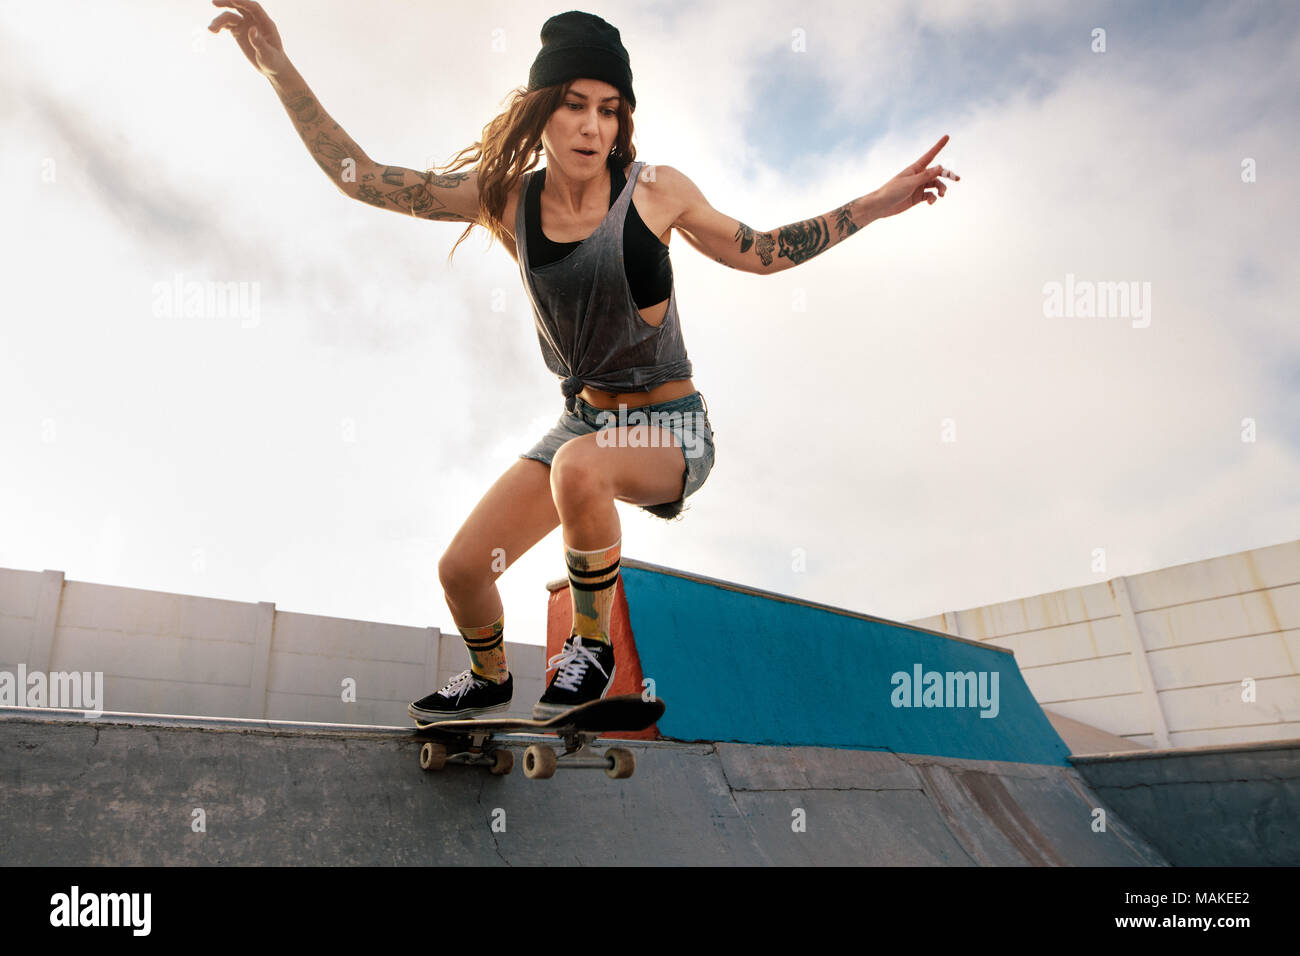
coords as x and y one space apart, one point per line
909 187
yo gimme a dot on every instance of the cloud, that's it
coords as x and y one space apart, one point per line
828 385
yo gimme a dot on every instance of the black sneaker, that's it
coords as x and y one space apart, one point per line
466 695
584 672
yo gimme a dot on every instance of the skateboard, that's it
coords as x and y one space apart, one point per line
483 742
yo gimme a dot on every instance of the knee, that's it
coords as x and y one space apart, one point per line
575 479
459 575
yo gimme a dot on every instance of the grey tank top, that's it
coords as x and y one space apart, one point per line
587 322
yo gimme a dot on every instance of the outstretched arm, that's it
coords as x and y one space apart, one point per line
445 198
332 149
735 244
259 39
452 198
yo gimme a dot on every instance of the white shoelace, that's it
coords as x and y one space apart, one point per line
460 684
572 662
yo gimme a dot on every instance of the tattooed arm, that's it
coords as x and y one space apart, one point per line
451 198
735 244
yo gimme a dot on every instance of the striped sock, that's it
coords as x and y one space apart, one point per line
487 649
593 576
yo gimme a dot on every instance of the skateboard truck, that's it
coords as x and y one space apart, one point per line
499 760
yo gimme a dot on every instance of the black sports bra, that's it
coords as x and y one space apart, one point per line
645 260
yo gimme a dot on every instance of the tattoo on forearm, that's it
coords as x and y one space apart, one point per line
803 240
331 150
328 149
329 171
304 108
844 223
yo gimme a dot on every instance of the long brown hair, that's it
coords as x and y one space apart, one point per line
512 144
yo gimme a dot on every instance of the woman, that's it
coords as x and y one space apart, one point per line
590 232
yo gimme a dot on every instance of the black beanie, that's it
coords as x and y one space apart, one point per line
581 46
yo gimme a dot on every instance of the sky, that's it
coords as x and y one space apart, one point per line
904 424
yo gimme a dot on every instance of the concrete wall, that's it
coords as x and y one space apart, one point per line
166 653
1160 658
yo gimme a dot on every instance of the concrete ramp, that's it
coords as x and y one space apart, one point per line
132 790
1235 805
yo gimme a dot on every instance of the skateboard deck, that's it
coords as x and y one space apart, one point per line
484 742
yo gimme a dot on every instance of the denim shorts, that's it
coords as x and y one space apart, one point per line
686 417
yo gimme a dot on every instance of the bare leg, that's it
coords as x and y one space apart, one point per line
514 515
586 478
527 502
588 475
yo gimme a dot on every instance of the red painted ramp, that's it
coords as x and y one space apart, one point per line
627 662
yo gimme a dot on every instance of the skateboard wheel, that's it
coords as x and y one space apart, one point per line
621 763
503 761
433 756
539 762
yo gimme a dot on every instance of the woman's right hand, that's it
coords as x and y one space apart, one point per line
255 34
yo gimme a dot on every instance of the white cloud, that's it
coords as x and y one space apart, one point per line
325 458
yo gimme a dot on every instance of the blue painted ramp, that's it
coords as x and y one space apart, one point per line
740 664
